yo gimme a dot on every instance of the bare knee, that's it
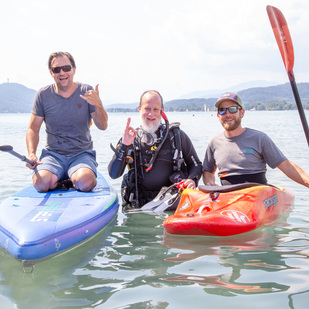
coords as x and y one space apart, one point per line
84 180
40 187
44 181
86 186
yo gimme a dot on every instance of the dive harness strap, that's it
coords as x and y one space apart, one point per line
178 159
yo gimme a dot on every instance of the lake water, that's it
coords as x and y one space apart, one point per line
134 264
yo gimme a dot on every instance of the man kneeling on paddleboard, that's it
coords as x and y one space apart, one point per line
157 155
67 108
241 154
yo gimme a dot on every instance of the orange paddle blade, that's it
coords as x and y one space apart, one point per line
283 37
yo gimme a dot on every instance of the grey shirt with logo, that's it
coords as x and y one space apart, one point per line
67 120
247 153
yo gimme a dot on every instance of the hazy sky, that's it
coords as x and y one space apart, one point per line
173 46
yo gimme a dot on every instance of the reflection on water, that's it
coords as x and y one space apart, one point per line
260 256
133 259
246 252
135 264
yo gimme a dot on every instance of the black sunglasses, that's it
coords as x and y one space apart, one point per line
64 68
231 109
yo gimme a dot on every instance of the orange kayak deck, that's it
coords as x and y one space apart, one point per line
230 210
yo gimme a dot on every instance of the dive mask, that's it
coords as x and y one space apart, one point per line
145 137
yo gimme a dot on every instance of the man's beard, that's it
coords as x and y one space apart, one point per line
231 126
150 128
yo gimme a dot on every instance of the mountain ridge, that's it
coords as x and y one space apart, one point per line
17 98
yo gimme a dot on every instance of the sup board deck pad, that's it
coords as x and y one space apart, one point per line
36 225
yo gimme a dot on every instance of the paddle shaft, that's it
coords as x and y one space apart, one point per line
300 109
10 150
22 158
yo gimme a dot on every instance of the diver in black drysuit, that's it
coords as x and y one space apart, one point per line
173 163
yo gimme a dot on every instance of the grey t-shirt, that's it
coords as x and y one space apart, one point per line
246 153
67 120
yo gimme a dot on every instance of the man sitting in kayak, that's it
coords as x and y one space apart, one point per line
157 155
241 154
67 108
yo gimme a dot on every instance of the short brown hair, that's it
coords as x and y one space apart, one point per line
61 54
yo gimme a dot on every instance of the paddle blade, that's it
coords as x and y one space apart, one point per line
283 38
6 148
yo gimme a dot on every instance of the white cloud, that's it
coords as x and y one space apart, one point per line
174 46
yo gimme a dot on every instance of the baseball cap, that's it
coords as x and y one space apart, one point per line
230 96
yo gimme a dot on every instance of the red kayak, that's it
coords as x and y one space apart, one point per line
228 210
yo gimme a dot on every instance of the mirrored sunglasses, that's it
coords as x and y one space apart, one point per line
231 109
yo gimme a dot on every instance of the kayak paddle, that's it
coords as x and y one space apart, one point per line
284 41
9 149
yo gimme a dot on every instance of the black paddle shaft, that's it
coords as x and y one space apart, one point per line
9 149
300 108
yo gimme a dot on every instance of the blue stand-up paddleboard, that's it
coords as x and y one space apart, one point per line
37 225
